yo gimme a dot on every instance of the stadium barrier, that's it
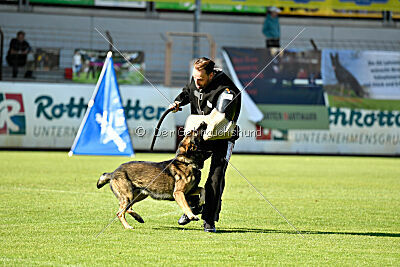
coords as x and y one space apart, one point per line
45 115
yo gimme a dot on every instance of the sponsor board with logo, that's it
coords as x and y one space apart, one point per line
45 115
363 74
379 5
351 131
39 115
288 93
12 114
294 117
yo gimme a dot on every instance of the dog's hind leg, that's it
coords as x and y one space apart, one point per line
123 190
121 215
137 196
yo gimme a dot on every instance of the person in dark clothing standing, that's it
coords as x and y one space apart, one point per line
271 28
17 54
213 98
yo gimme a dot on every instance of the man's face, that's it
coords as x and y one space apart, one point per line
20 37
201 79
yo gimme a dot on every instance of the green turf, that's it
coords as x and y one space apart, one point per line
363 103
130 77
347 207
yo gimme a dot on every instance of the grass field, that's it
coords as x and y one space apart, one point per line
363 103
348 209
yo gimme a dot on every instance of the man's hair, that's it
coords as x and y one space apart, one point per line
204 63
20 32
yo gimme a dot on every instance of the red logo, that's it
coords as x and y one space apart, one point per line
12 114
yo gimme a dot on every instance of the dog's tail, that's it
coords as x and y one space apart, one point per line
104 179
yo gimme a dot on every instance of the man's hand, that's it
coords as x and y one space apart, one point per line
175 106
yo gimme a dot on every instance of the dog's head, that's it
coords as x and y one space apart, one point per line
191 145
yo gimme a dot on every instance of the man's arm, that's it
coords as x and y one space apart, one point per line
12 49
27 47
229 103
182 99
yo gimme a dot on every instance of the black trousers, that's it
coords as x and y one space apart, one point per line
273 42
15 61
215 183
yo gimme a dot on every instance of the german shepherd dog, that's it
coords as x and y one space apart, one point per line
345 79
168 180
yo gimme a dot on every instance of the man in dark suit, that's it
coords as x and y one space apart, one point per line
17 54
211 93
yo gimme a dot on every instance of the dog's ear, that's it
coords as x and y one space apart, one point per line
201 129
332 58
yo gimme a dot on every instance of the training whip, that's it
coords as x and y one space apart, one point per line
157 129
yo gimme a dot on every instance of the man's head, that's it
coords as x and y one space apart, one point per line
274 11
20 36
203 72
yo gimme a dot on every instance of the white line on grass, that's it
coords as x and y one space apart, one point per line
46 190
30 261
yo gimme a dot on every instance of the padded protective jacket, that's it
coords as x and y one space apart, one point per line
202 102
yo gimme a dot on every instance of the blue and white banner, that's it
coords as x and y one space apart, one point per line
363 74
104 130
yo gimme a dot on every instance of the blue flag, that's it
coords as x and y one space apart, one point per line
104 130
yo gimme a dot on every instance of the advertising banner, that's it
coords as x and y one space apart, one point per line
65 2
43 59
120 3
363 74
38 115
294 117
285 10
380 5
46 115
286 91
351 131
87 65
187 6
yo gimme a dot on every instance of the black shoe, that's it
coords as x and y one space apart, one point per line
209 227
183 220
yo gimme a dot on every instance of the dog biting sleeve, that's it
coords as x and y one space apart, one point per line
218 127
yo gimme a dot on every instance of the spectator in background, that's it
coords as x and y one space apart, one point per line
77 66
271 28
92 62
18 53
